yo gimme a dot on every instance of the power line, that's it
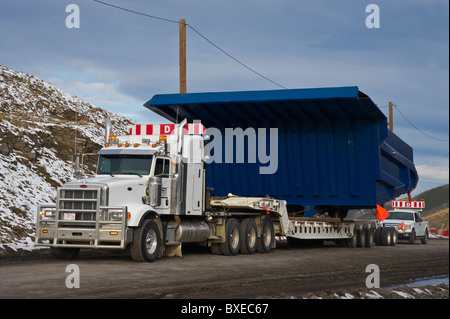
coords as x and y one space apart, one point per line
434 138
135 12
230 56
196 31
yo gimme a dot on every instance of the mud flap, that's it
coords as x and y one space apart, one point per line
173 250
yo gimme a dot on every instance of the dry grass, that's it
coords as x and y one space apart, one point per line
439 219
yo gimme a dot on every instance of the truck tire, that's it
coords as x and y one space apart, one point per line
377 236
412 238
146 244
424 239
64 253
369 237
232 244
360 238
385 236
265 242
249 236
394 236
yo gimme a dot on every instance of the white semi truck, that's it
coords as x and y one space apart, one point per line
149 194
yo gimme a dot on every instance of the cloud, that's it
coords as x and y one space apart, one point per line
100 94
433 171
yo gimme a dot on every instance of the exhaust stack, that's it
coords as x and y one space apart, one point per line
108 129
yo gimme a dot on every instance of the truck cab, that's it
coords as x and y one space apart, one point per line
406 217
155 171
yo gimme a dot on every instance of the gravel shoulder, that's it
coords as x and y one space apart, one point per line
328 272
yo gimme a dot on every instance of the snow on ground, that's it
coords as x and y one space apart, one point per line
38 122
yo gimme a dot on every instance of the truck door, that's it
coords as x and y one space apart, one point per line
162 170
420 229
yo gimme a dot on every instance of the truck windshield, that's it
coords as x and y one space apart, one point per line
124 164
400 215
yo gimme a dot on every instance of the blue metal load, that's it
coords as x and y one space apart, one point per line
335 150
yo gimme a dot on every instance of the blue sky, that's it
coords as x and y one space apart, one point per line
118 60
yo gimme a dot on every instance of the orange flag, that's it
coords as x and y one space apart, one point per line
402 226
381 213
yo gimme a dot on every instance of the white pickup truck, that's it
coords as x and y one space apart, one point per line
408 221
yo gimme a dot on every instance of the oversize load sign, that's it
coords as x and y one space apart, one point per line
402 204
163 129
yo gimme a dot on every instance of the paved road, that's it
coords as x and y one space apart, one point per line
198 274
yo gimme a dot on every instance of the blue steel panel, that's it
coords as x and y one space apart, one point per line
334 148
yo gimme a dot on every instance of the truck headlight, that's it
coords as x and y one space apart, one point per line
48 213
115 216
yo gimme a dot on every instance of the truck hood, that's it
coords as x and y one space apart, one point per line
121 190
397 221
110 181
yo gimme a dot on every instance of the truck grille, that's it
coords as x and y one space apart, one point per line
391 224
78 204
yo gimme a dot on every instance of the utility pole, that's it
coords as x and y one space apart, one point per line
391 116
182 24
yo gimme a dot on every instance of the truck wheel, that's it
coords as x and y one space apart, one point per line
377 236
264 244
232 244
146 242
424 239
64 253
412 238
361 238
369 237
394 236
385 236
249 236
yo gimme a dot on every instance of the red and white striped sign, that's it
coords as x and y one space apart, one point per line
165 129
405 204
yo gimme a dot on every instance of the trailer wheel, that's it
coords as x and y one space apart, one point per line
394 236
146 242
64 253
385 236
361 238
265 242
351 242
370 234
377 236
249 236
232 244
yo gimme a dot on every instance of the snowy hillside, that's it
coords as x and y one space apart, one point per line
38 126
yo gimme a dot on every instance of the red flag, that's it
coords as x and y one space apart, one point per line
381 213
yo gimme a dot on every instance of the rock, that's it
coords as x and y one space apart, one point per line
4 149
31 155
19 145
